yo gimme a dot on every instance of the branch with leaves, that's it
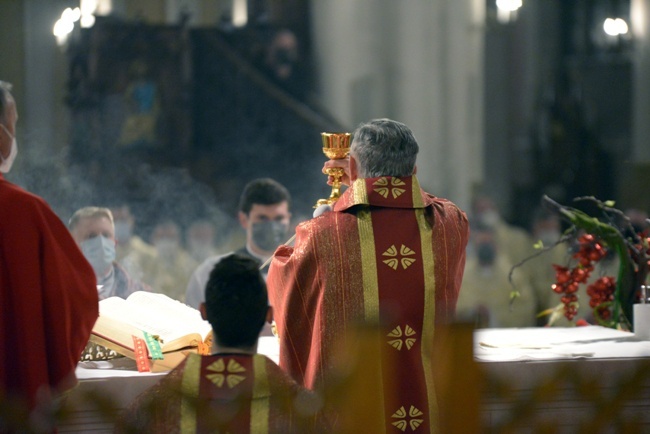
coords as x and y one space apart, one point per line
611 298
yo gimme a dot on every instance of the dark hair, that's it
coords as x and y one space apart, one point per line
235 301
263 191
5 88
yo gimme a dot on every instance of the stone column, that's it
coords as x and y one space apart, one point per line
641 85
419 62
635 181
42 112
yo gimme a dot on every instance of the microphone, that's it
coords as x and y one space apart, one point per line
322 209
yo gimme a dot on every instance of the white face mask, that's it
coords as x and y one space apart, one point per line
123 231
489 218
100 252
5 164
200 248
167 248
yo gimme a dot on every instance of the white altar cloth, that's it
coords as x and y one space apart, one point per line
553 343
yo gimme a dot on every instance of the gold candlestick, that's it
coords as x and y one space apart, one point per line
336 146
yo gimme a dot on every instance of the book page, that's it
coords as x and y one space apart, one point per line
156 314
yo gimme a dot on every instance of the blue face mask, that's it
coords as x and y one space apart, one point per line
100 252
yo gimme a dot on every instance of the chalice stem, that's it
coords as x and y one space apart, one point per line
336 189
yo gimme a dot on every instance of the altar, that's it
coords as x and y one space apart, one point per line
564 379
579 379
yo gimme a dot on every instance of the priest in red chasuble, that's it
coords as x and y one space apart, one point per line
233 390
48 296
388 253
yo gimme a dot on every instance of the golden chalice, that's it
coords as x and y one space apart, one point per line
336 146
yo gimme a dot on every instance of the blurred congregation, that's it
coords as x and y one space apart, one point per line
163 112
172 109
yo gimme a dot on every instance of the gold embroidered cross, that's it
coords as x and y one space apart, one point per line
394 189
230 375
400 338
413 414
393 262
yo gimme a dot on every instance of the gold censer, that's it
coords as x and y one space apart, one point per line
336 146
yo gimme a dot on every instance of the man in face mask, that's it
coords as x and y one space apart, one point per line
138 257
175 263
200 239
48 297
264 215
94 231
485 292
545 228
512 241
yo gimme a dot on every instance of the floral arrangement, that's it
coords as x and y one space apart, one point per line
611 297
601 292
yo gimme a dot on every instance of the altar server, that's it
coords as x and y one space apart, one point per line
387 253
264 213
48 297
232 390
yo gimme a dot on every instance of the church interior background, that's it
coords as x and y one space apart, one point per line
171 106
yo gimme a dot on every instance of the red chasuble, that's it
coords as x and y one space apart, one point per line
389 253
48 298
229 393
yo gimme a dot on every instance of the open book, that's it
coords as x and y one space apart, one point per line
167 328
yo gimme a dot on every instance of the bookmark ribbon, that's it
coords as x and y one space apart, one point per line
155 351
141 358
203 348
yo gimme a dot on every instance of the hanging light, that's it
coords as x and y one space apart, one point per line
509 5
615 26
240 13
65 25
507 10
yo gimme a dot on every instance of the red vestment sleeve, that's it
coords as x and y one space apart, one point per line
48 297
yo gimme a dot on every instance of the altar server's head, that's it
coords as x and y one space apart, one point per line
236 303
93 229
264 214
382 147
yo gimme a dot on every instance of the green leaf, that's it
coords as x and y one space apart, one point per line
610 203
539 245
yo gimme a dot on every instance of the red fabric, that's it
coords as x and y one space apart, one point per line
48 297
317 287
225 403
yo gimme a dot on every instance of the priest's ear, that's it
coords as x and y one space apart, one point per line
269 315
353 169
204 313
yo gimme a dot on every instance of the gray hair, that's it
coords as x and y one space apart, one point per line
89 212
5 89
383 147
